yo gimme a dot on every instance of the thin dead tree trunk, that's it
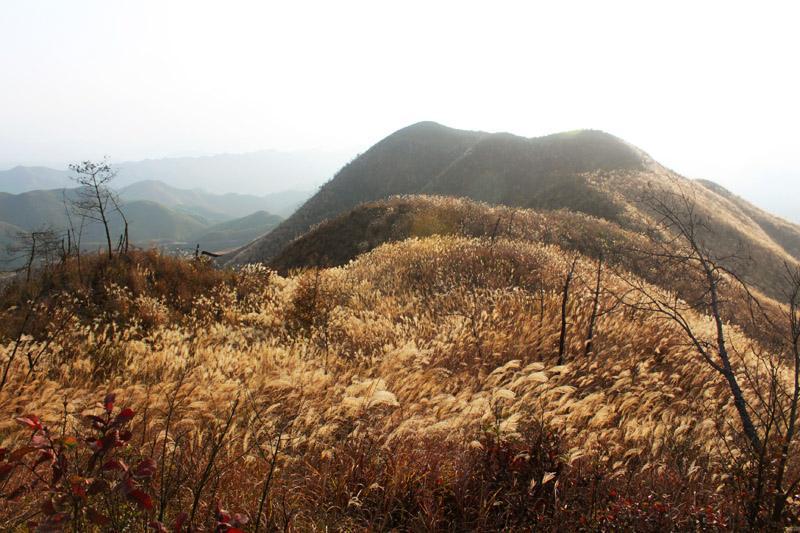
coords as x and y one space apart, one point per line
31 257
595 308
102 212
562 340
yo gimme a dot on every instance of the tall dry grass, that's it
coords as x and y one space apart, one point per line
415 388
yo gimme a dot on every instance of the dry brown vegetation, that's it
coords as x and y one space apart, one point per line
415 388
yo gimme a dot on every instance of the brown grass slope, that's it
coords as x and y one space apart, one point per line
337 241
398 372
781 231
342 239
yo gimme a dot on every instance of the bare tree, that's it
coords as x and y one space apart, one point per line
74 236
35 246
768 410
562 339
595 307
95 200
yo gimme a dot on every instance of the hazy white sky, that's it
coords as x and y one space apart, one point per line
710 89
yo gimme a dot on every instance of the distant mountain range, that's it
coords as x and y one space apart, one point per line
589 172
23 179
256 173
158 215
238 232
214 207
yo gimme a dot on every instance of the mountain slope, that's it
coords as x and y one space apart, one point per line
237 232
403 163
338 241
149 221
781 231
500 168
22 179
586 171
213 207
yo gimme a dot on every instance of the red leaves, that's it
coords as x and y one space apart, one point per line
141 498
136 495
45 456
115 464
30 421
77 487
158 527
145 469
229 524
84 468
95 422
124 417
177 527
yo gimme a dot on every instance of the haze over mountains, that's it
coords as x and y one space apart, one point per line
255 173
214 207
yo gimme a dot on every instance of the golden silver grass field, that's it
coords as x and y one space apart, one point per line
425 385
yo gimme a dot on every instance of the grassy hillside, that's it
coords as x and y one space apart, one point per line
420 381
567 357
339 240
781 231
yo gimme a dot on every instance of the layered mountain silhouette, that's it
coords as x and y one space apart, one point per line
214 207
208 222
589 172
23 179
237 232
258 173
150 222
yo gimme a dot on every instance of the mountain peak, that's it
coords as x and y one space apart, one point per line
430 158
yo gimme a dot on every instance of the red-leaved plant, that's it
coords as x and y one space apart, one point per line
84 480
225 522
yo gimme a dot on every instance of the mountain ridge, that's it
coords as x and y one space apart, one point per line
585 171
